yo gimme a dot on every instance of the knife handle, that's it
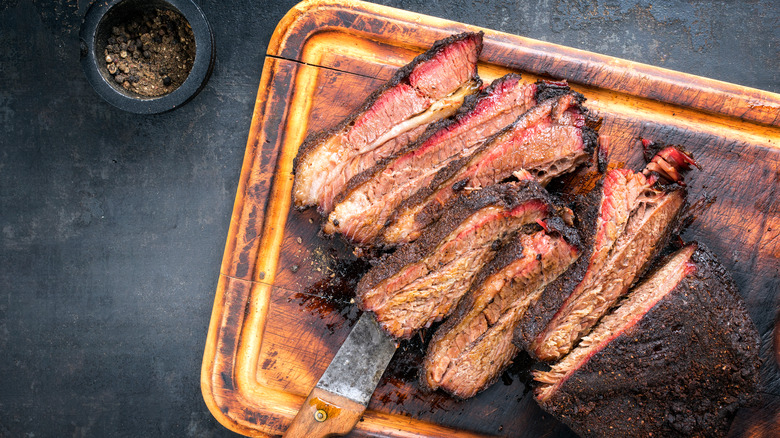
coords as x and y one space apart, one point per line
325 414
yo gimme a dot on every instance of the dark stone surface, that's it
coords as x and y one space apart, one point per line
113 224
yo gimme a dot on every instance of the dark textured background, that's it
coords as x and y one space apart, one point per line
113 224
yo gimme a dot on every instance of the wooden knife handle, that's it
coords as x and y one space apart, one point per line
325 414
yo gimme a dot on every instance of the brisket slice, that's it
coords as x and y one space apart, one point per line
421 283
429 88
369 198
677 358
624 226
474 346
548 140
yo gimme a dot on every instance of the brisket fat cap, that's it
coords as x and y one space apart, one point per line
474 346
421 283
368 199
548 140
677 358
429 88
634 221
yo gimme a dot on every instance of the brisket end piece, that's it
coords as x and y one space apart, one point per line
474 346
633 220
368 199
421 283
430 88
676 359
548 140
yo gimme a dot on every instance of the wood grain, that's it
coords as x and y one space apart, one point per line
282 306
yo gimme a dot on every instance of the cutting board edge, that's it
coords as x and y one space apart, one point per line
213 400
602 71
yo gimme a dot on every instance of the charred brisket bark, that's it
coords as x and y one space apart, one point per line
625 222
369 199
430 88
548 140
421 283
676 359
474 346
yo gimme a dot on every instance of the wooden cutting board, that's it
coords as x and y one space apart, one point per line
282 306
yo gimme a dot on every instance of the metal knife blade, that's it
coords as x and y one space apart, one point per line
357 367
341 395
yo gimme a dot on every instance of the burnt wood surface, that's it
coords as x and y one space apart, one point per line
114 225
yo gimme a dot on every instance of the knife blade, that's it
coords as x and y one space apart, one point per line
341 395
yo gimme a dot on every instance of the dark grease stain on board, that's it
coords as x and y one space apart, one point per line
332 299
402 374
407 360
519 372
335 293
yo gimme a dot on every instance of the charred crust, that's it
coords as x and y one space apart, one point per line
368 174
586 209
508 196
401 75
539 314
586 212
469 104
471 101
590 140
683 385
664 185
556 224
460 185
552 89
440 45
649 148
432 210
511 251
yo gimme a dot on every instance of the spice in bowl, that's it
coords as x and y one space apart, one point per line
151 53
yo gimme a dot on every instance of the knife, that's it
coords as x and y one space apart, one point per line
341 395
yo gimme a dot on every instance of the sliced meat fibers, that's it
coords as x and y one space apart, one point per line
430 88
422 282
634 218
548 140
370 198
676 359
474 346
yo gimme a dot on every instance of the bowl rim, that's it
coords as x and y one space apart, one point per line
196 79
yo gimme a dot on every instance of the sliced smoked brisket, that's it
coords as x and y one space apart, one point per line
421 283
548 140
624 223
474 346
430 88
677 358
370 198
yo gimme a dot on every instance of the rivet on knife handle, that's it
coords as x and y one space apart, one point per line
325 414
338 401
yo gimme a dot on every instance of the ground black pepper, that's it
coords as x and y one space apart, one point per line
150 53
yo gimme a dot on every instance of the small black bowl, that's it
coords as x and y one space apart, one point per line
95 30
